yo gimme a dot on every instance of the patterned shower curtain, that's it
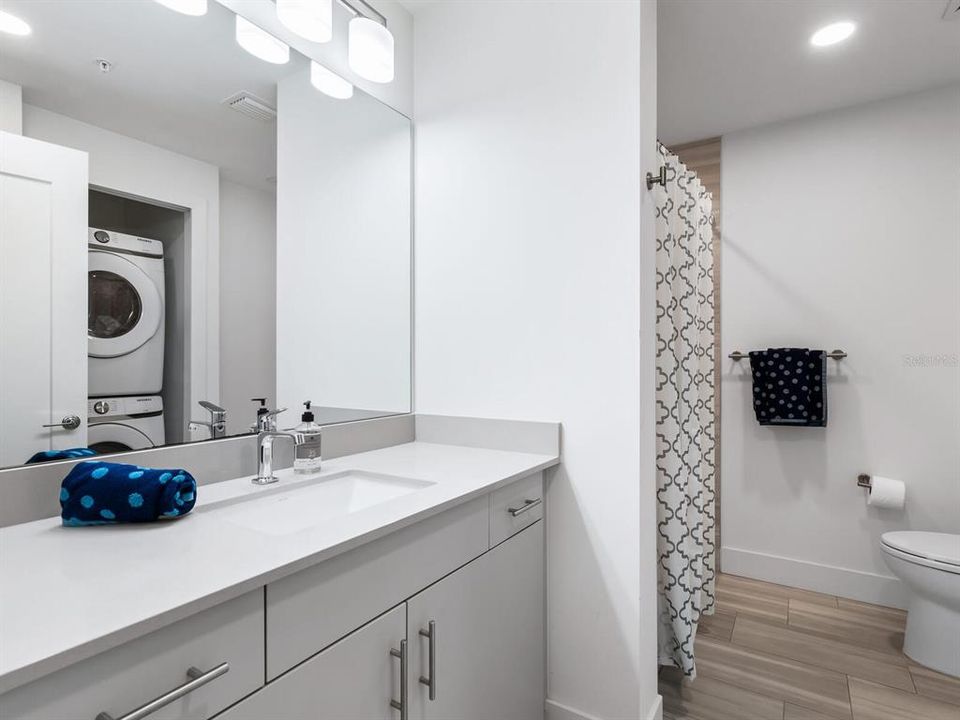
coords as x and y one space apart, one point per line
686 421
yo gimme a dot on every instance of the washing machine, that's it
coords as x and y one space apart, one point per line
125 314
118 424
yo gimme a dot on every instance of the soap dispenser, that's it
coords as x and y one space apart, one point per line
307 455
262 411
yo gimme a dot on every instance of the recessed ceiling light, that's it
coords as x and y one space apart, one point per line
832 34
260 43
13 25
187 7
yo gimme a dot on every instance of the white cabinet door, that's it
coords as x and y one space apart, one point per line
354 679
43 297
488 647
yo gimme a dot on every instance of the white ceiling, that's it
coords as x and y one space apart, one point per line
171 73
725 65
415 6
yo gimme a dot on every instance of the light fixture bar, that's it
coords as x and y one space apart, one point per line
370 9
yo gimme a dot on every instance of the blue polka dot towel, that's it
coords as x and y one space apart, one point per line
789 386
101 493
51 455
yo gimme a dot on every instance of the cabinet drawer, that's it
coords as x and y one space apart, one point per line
514 507
308 611
131 675
355 679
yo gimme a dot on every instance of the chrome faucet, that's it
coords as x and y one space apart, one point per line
267 422
265 440
218 420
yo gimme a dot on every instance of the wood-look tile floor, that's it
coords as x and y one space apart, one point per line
777 653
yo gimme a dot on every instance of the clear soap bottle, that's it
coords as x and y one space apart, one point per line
306 458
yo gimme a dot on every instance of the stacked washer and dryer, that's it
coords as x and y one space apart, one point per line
125 331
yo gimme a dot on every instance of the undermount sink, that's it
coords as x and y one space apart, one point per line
294 505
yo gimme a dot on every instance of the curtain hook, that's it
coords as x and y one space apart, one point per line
660 179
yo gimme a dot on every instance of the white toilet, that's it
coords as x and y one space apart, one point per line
929 565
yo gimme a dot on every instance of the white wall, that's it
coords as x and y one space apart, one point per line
528 298
248 302
842 230
343 251
138 169
11 107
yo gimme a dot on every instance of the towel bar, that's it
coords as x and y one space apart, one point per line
835 354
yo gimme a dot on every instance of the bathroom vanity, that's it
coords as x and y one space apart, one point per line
405 582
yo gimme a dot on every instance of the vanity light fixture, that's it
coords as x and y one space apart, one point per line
370 50
832 34
187 7
329 83
260 43
12 25
310 19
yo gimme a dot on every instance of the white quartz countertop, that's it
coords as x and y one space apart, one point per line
67 594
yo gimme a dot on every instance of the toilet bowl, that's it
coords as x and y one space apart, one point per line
929 566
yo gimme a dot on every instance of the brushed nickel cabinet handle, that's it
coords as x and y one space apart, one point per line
198 678
527 505
431 680
401 704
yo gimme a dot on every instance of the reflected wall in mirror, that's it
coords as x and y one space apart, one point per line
140 273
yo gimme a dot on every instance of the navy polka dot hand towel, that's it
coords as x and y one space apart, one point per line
102 493
790 386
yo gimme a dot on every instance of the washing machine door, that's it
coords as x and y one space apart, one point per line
116 437
124 308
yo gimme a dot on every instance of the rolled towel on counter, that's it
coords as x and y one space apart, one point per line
103 493
51 455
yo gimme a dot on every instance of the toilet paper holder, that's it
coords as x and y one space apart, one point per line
863 480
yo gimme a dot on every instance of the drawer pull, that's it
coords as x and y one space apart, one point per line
198 678
527 505
431 681
401 704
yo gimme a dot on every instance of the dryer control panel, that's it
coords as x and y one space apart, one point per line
124 406
121 242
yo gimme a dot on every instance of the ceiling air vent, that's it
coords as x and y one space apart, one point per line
952 11
251 106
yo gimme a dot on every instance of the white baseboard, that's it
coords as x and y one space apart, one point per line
558 711
656 712
854 584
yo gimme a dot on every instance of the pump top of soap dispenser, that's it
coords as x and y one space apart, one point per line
307 425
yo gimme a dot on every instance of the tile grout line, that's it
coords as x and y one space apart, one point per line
846 679
913 680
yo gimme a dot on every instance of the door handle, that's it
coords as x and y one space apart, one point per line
431 680
70 422
401 704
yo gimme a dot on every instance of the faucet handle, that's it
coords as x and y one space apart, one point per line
215 410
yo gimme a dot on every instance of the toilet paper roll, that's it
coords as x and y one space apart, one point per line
886 493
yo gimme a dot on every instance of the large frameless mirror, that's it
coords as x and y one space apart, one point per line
190 238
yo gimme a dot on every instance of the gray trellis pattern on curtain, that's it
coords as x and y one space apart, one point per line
686 420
